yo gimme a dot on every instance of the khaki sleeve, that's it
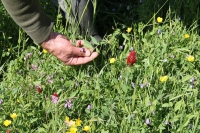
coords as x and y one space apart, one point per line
30 17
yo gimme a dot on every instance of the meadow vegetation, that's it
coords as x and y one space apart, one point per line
159 93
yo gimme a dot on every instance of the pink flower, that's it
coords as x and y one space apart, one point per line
54 98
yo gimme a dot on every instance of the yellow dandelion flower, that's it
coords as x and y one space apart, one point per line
45 51
86 128
13 115
66 119
73 130
78 122
163 78
7 123
112 60
186 36
129 30
190 58
159 19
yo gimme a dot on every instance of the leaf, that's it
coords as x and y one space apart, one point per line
33 120
147 101
94 40
178 105
125 36
88 45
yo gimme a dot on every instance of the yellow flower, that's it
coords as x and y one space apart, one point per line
13 115
112 60
190 58
73 130
8 49
66 119
7 123
159 20
129 29
163 78
45 51
86 128
68 132
78 122
186 36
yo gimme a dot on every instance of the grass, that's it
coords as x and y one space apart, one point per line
123 99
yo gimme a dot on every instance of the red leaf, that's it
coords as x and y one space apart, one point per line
131 59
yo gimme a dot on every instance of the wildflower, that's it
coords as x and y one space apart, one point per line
147 121
27 56
166 122
140 1
131 48
129 30
1 101
128 7
131 59
191 126
39 89
165 60
34 67
120 77
54 98
141 85
7 123
159 31
186 36
121 47
86 128
112 60
89 107
13 115
68 104
163 78
149 103
73 130
71 123
18 101
190 58
44 51
159 19
153 112
78 122
66 119
192 80
172 56
8 49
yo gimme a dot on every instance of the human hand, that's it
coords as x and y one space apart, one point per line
61 47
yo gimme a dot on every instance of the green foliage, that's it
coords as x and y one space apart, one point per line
122 98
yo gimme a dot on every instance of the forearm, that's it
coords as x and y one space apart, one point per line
30 17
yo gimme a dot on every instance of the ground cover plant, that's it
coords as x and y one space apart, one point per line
159 93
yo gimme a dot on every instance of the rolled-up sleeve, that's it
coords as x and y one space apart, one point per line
29 15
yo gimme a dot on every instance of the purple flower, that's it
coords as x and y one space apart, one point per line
68 104
159 31
1 101
89 107
121 47
27 56
172 56
34 67
54 99
147 121
166 122
149 103
192 80
120 77
131 48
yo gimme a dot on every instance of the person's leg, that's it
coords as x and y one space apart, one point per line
82 11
